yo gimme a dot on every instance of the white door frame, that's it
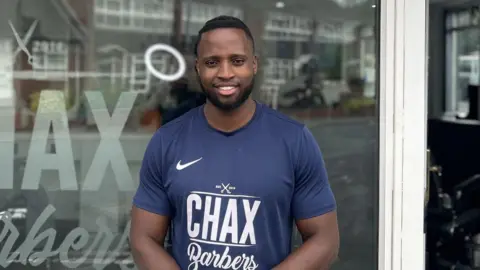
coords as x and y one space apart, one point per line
403 110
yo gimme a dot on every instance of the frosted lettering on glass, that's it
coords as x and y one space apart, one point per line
38 246
102 246
110 150
51 110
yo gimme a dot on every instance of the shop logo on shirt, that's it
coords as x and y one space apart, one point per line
181 166
225 221
225 188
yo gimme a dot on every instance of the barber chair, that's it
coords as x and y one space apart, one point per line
452 233
446 265
453 211
467 193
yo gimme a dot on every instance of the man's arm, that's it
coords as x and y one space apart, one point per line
147 237
151 213
320 244
313 207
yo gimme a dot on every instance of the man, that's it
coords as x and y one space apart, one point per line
231 176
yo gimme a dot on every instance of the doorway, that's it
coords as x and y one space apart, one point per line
452 223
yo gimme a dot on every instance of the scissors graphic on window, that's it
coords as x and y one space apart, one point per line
22 43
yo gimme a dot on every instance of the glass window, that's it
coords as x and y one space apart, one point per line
462 52
74 123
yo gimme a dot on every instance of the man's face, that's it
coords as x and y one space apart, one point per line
226 67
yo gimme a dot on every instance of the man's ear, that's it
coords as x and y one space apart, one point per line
255 64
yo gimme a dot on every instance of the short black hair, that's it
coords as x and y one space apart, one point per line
223 21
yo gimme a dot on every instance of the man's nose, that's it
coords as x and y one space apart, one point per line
225 72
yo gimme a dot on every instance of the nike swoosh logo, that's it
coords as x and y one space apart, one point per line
181 166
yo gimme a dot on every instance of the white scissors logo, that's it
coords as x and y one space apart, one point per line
22 44
225 188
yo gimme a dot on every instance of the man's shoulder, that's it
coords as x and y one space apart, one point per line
169 131
281 122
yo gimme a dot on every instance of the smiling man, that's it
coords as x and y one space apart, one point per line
231 177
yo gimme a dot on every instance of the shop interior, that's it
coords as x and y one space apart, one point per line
452 220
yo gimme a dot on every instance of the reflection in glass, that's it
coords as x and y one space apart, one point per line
462 59
318 64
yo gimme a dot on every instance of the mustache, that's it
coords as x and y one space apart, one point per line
220 84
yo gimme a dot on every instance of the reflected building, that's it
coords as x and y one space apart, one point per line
304 47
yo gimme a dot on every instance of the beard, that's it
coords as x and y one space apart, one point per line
230 106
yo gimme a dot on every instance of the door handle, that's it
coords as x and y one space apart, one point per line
436 169
427 181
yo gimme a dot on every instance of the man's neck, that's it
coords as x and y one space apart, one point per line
231 120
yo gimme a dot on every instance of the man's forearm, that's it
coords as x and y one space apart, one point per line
150 255
314 254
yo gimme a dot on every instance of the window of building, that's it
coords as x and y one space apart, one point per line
128 15
462 53
50 56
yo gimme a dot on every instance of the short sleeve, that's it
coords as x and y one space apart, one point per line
151 195
312 195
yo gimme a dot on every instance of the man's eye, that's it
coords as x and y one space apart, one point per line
238 61
210 63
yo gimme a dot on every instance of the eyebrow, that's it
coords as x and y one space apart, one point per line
230 56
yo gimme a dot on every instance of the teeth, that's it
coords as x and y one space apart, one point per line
226 88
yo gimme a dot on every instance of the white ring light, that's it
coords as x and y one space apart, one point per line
178 56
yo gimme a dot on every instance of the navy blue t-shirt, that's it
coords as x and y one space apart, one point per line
233 197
